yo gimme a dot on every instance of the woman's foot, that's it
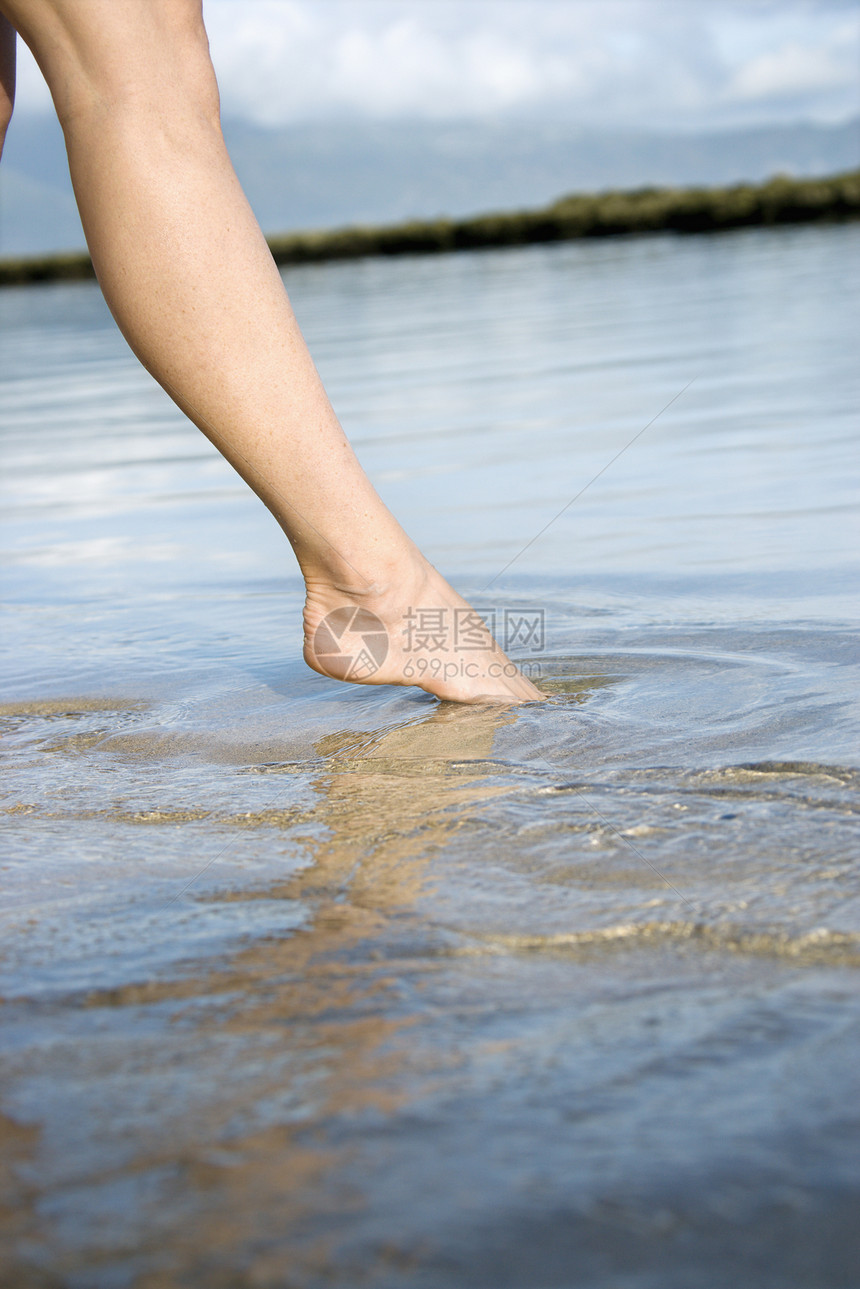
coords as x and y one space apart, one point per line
410 630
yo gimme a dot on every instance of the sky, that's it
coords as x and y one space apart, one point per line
660 64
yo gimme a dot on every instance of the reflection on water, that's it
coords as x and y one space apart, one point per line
305 984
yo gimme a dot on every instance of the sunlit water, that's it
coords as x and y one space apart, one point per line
306 984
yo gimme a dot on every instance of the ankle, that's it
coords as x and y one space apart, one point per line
372 581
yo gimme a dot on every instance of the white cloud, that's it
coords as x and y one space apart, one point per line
290 60
824 73
792 69
656 62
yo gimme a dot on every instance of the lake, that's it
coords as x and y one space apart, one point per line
309 984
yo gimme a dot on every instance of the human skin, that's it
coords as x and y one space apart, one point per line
190 281
7 77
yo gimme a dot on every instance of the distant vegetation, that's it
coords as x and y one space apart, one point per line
781 200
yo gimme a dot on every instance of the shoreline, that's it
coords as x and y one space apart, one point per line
780 200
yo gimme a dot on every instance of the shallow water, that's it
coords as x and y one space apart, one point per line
308 984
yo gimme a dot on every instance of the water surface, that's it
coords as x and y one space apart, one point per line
308 984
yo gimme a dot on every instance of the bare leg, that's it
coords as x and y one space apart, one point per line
7 77
189 278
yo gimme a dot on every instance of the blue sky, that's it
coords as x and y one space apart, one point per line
664 64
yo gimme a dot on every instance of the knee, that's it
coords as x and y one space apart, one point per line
109 61
172 72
